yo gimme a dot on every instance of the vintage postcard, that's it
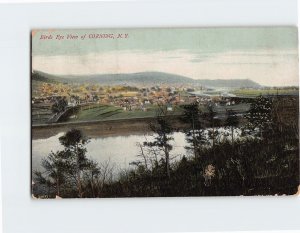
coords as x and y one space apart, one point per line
164 112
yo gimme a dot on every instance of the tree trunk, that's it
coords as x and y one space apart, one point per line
167 162
92 186
78 174
194 139
79 182
58 187
144 157
213 138
232 136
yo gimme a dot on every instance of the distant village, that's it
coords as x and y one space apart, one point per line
56 101
129 98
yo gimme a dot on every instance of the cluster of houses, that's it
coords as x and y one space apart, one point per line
140 98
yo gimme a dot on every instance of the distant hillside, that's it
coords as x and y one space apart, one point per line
233 83
43 77
147 78
144 78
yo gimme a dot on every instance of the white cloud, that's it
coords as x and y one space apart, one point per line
267 67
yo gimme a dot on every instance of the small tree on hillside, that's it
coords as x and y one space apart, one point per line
195 132
59 105
54 176
232 121
162 137
212 121
70 166
259 116
74 143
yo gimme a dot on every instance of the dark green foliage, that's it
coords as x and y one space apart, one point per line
195 132
264 165
259 116
73 137
212 123
249 169
59 105
69 171
163 136
232 121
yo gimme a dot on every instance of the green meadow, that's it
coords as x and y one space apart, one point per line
107 112
257 92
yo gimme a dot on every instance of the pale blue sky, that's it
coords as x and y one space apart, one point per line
267 55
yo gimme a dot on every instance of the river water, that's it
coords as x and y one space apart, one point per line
118 150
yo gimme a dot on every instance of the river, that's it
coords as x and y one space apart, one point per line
119 150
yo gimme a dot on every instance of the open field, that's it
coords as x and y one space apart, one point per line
40 113
257 92
108 112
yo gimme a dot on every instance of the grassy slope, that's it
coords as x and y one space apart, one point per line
106 112
257 92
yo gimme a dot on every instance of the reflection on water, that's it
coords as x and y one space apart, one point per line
120 150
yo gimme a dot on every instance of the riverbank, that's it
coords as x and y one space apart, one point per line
104 128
